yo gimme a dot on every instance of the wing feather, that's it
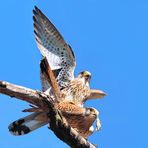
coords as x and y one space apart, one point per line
52 46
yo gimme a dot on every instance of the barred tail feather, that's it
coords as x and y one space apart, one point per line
26 125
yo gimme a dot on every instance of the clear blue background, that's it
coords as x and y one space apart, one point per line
109 38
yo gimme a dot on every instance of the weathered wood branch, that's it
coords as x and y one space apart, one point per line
58 125
64 132
22 93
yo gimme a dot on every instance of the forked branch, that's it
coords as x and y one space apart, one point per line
61 128
58 123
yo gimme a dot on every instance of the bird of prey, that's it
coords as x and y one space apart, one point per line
62 61
81 119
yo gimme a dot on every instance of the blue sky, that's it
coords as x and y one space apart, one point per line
109 38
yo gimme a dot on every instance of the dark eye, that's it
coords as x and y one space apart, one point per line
82 72
91 109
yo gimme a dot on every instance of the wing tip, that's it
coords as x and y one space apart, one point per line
36 9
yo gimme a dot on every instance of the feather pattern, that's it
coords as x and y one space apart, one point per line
28 124
81 119
52 45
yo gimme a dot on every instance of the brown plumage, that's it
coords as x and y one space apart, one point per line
81 119
78 89
62 61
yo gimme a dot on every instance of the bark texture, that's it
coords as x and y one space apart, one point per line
58 124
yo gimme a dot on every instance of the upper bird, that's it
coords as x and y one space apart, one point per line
62 61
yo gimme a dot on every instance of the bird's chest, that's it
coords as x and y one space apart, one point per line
76 92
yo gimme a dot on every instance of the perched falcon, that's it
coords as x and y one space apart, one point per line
61 58
81 119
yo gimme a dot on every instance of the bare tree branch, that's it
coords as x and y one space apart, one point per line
58 124
22 93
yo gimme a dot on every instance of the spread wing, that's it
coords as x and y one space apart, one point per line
52 46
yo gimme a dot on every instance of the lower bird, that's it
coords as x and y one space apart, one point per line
81 119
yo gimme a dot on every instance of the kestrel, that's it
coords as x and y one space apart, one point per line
81 119
61 58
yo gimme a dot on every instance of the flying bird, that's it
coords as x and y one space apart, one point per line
62 61
81 119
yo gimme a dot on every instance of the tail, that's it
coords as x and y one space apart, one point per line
27 124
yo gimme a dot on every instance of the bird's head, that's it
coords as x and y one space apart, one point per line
86 75
94 114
